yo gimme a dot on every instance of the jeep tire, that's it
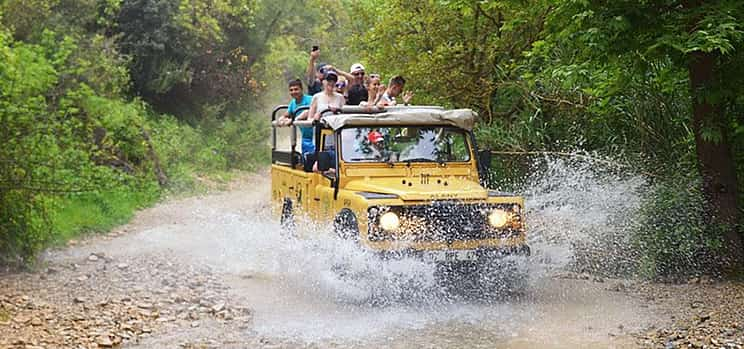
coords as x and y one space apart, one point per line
287 219
346 225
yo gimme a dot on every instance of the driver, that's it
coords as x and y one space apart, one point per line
379 151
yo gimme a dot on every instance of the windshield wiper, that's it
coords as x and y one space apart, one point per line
419 160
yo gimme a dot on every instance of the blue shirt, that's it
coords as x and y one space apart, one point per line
307 132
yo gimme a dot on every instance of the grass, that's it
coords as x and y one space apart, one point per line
99 211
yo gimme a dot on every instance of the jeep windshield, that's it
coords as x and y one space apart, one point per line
404 144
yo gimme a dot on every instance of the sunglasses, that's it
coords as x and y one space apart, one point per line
359 73
374 76
341 84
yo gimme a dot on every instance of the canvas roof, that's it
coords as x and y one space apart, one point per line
403 116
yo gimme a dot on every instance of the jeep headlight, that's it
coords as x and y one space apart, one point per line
389 221
498 218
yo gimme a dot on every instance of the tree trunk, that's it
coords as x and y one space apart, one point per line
159 173
715 161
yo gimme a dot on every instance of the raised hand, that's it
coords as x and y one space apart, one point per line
380 90
407 97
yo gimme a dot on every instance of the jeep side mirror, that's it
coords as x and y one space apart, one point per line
484 166
325 162
484 159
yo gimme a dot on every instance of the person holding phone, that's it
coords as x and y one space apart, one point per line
315 72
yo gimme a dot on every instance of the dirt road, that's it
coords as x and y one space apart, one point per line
214 272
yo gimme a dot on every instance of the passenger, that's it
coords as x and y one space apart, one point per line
298 100
315 73
339 72
331 149
379 150
396 87
341 87
357 90
374 90
328 99
330 172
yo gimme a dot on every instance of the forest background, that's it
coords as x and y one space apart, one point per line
108 105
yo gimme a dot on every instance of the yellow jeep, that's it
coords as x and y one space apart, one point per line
399 181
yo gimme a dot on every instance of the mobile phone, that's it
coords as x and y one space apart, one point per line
315 48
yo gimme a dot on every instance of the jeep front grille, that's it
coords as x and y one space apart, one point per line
442 221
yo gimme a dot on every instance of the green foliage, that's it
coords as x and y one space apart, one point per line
79 153
454 53
153 39
99 211
189 54
216 145
27 17
674 237
28 145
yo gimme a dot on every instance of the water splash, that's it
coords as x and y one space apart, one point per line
579 214
582 214
295 287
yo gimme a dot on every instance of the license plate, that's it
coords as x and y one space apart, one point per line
450 256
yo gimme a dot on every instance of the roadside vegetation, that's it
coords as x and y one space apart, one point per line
106 106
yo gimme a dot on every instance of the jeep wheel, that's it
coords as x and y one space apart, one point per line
491 281
287 220
346 226
503 278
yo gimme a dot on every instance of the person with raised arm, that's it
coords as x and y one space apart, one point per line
394 90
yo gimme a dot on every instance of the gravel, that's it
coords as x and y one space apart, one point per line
706 314
109 306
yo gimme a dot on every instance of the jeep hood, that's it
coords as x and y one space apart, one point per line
437 188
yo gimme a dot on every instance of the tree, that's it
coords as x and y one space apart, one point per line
702 38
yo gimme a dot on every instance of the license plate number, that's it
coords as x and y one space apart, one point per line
450 256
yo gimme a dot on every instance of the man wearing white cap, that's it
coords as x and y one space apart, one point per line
357 92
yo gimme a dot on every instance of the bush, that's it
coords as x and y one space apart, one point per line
102 210
218 144
673 236
245 140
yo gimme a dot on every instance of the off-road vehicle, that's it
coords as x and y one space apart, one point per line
398 181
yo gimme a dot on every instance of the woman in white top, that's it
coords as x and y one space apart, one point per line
328 98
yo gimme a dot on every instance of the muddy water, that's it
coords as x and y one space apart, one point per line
561 314
298 301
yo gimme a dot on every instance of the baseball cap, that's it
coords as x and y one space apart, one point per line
330 75
356 67
319 67
374 136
